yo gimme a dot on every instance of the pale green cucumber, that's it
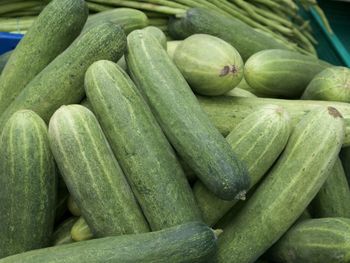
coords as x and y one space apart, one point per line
171 47
92 173
157 34
73 207
80 231
62 235
238 92
287 190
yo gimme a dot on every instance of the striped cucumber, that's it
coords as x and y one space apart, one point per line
258 140
92 173
289 187
333 200
105 41
314 241
52 32
191 242
80 230
153 171
184 123
27 170
157 34
62 236
73 207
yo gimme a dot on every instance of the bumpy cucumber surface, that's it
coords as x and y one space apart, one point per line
80 230
62 235
52 32
191 242
28 175
184 123
288 188
153 171
92 173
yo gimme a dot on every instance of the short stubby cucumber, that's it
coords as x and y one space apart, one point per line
191 242
288 188
157 34
62 235
281 73
314 241
52 32
62 81
331 84
184 123
258 140
153 171
28 175
210 65
92 174
80 230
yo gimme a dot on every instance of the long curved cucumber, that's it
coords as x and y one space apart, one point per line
92 173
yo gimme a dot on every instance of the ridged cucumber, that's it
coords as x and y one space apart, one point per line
28 175
281 73
62 236
153 171
92 173
314 241
73 207
184 123
289 187
258 140
243 37
191 242
42 95
333 200
80 231
52 32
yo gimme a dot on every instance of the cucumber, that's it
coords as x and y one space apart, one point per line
238 92
333 200
81 231
3 60
289 187
157 34
122 63
226 112
129 19
153 171
73 207
191 242
241 36
281 73
27 170
171 47
52 32
105 41
62 236
314 241
210 65
92 173
345 159
258 140
184 123
330 84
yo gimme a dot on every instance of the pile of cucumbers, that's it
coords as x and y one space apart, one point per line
221 145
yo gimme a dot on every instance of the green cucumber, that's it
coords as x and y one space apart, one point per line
184 123
129 19
52 32
238 92
314 241
210 65
333 200
73 207
153 171
258 140
289 187
226 112
157 34
331 84
42 95
81 231
92 173
28 175
171 47
62 236
191 242
243 37
281 73
3 60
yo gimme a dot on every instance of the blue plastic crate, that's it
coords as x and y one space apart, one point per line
8 41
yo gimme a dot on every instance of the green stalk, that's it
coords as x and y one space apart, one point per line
165 3
97 7
158 22
13 7
270 15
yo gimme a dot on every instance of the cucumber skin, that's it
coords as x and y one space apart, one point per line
161 190
73 207
62 236
266 72
191 242
333 200
314 241
184 123
67 71
282 197
157 34
52 32
241 36
226 112
80 231
27 170
238 92
92 173
3 60
258 140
